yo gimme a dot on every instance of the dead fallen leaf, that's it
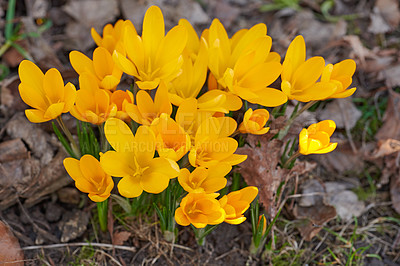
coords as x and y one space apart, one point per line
387 147
11 150
12 57
311 219
120 237
395 192
359 50
341 160
10 250
261 170
392 76
342 111
391 120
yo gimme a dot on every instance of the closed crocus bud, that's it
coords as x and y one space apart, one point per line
89 177
316 138
236 203
199 209
254 122
45 93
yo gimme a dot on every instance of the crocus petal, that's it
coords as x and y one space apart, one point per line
54 110
30 74
144 146
31 97
117 163
125 64
81 63
154 182
53 85
153 30
119 135
181 218
130 187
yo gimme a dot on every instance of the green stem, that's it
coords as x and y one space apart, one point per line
102 208
103 139
285 130
291 158
8 29
5 47
67 133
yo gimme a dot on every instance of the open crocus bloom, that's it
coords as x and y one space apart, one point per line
101 68
316 138
146 110
204 180
212 145
236 203
243 64
254 122
199 209
112 36
341 75
93 104
154 56
171 139
299 77
133 160
45 93
89 177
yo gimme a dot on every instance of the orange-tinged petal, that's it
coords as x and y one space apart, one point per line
119 135
30 74
130 187
308 73
109 82
269 97
181 218
69 96
54 110
53 85
91 168
328 126
73 168
81 63
296 54
31 97
102 62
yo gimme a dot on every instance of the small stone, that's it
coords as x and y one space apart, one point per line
73 225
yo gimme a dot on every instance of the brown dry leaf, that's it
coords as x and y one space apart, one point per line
312 218
11 150
392 76
395 192
359 50
261 168
387 147
341 160
342 111
10 250
391 120
120 237
12 57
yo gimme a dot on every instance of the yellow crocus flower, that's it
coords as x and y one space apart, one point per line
146 110
236 203
212 145
133 160
244 65
89 177
204 180
300 76
341 75
153 56
121 99
199 209
45 93
316 138
101 68
254 122
93 104
112 36
172 141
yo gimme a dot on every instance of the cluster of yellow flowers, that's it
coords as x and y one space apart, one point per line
177 121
